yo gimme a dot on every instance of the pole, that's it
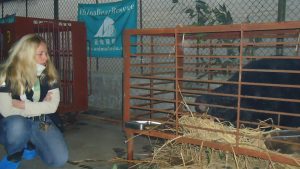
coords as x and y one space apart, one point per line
56 12
280 18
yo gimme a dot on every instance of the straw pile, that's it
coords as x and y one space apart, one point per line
176 155
221 131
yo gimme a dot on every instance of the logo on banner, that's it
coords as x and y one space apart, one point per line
106 34
105 24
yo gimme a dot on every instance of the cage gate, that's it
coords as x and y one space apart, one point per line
241 76
64 39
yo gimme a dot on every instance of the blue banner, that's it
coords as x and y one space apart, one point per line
105 24
8 19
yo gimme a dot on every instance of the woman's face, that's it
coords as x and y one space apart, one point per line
41 54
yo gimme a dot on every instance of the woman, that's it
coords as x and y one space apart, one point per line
29 93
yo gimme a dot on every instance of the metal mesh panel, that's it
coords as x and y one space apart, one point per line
68 11
292 10
105 65
161 13
41 9
14 7
158 13
252 10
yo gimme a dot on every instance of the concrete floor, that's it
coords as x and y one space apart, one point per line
97 140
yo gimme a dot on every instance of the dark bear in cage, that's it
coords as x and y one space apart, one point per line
270 91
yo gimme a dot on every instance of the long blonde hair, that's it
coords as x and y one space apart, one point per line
19 70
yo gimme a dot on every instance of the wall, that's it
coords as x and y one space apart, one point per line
106 92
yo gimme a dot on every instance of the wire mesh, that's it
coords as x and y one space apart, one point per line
40 9
160 13
13 7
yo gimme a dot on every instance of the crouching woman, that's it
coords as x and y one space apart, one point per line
29 94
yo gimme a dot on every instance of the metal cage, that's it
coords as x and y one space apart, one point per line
244 73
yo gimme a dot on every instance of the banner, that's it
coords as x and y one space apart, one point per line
8 19
105 24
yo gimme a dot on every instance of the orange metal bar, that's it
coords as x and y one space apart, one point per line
126 84
177 79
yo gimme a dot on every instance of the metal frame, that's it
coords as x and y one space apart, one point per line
147 110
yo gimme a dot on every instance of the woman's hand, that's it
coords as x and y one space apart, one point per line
18 104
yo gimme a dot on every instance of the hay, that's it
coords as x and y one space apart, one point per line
207 128
182 156
222 132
